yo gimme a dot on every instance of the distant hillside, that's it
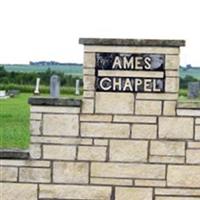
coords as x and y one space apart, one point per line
192 71
49 63
67 68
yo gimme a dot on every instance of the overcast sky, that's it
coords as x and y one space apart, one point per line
33 30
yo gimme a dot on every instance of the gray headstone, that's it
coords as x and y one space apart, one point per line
13 93
77 87
193 89
55 86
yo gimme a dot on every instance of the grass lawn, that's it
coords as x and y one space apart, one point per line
14 122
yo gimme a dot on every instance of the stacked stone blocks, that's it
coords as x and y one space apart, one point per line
115 146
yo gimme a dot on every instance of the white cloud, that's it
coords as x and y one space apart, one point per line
49 29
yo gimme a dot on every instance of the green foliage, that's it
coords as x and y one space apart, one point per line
184 81
23 78
183 92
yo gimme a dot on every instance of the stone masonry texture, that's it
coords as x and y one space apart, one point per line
111 145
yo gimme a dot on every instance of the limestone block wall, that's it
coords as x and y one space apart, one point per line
110 145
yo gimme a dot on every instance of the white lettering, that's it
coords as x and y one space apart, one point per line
155 89
138 82
128 64
128 86
117 63
147 62
147 85
105 83
117 82
138 61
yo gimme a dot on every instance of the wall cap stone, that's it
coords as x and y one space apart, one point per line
131 42
14 154
48 101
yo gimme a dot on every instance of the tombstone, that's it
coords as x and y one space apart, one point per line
36 91
55 86
3 94
13 93
193 89
77 87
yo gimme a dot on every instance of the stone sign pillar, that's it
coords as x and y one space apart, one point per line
131 77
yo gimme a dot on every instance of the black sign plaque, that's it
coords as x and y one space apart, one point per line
113 62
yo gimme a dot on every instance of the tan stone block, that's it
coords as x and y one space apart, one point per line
172 62
167 148
88 94
171 84
183 176
60 140
87 106
167 159
27 163
126 170
35 116
175 198
35 151
148 107
13 191
114 103
34 175
172 73
106 130
176 127
66 125
197 132
70 172
169 108
89 60
133 49
8 173
58 152
148 131
197 121
188 112
193 156
128 73
95 118
157 96
74 192
35 127
88 82
134 119
177 192
87 71
150 183
92 153
127 150
100 142
111 181
194 145
134 193
55 109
